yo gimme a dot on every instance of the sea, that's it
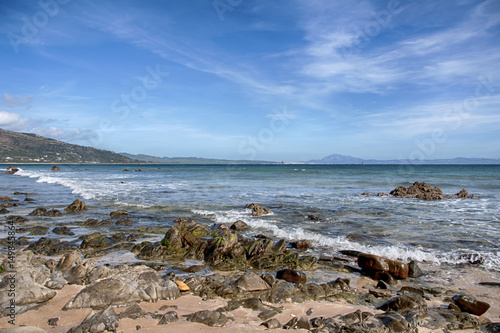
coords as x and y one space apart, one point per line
452 233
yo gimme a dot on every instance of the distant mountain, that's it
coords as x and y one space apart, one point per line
189 160
32 148
345 159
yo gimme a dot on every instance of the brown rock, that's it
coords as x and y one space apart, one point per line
55 168
239 226
118 213
76 206
372 263
314 217
182 286
291 275
470 305
4 198
302 245
257 210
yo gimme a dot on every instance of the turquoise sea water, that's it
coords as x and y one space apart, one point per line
440 232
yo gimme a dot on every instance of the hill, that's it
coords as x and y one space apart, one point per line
32 148
190 160
345 159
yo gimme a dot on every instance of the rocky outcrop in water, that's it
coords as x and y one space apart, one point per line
423 191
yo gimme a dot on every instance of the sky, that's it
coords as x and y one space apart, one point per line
283 80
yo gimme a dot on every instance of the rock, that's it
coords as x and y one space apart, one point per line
491 328
291 275
394 321
5 198
463 194
412 306
470 304
39 212
419 190
302 245
124 222
440 318
57 281
298 323
76 206
169 317
182 286
133 284
257 210
251 282
268 314
271 324
105 321
488 283
209 318
414 270
53 321
4 211
385 277
372 263
11 170
63 231
118 213
55 168
314 217
135 311
239 226
29 199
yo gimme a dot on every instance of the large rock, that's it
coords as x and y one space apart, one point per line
210 318
132 284
375 263
105 321
251 282
76 206
470 304
257 210
419 190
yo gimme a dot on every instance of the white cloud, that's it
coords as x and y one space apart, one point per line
13 121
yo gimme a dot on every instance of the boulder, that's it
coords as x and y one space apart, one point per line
105 321
209 318
313 217
76 206
373 263
291 275
63 231
118 213
301 245
239 226
271 324
470 304
169 317
257 210
251 282
55 168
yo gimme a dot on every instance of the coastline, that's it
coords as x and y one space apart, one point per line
245 319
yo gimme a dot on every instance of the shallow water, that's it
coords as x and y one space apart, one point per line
438 232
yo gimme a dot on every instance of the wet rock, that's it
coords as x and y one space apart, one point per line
251 282
51 247
6 198
302 245
124 222
29 199
384 277
419 190
314 217
412 307
373 263
169 317
105 321
271 324
55 168
39 212
76 206
4 211
257 210
440 318
395 322
291 275
491 328
239 226
118 213
463 194
63 231
414 270
209 318
470 304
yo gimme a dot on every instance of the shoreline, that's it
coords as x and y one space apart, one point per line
245 319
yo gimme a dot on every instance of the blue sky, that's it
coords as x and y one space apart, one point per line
266 80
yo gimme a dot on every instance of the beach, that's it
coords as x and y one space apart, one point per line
213 199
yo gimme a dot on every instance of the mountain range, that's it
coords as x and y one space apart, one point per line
346 159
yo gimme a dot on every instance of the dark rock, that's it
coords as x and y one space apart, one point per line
209 318
302 245
384 276
118 213
410 289
55 168
493 284
124 222
414 270
271 324
169 317
257 210
4 211
395 322
383 285
372 263
440 318
29 199
268 314
291 275
419 190
298 323
76 206
351 253
463 194
39 212
50 247
470 304
52 321
63 231
405 303
5 198
491 328
314 217
239 226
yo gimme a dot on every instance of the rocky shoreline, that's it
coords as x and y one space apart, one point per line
231 281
